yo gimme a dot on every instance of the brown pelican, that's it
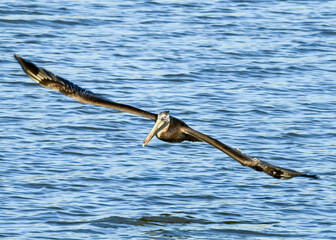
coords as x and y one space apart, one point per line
166 128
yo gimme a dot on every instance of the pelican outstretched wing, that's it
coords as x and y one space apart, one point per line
272 170
49 80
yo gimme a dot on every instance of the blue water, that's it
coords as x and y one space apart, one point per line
256 75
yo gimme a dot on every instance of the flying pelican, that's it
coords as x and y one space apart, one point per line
166 128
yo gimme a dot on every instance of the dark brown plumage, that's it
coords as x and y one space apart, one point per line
166 128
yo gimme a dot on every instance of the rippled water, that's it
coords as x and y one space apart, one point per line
258 75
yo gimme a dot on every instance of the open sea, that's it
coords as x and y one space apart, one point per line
257 75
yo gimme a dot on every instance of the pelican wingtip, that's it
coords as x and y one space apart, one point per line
16 57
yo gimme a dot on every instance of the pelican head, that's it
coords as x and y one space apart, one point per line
161 123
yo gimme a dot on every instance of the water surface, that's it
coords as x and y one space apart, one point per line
257 75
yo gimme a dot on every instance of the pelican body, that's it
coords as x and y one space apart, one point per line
166 127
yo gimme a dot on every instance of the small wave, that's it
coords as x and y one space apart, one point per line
115 221
249 233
